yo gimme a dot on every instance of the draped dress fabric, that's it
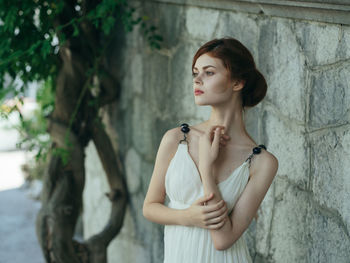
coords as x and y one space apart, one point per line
183 244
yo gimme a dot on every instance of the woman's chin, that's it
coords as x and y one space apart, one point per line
201 103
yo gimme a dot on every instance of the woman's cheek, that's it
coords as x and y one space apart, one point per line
218 87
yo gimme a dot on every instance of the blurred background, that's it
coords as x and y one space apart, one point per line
88 88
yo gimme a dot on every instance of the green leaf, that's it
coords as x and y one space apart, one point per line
76 30
108 24
46 49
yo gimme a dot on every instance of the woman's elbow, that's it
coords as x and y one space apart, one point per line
145 211
222 245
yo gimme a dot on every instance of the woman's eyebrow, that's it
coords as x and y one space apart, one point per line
205 67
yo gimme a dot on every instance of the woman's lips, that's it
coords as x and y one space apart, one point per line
198 92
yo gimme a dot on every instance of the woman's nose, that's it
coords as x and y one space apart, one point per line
198 80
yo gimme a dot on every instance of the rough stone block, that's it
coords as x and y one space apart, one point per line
96 205
135 39
147 129
330 97
201 23
321 43
230 25
330 169
330 241
287 141
264 222
150 108
345 44
143 124
155 82
170 24
181 97
133 172
132 83
289 240
249 237
282 64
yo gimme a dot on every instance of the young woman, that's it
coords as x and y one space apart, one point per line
214 174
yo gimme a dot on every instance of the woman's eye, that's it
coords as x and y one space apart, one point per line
208 73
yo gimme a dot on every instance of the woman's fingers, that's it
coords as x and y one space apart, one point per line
222 142
214 207
211 130
216 213
226 137
216 226
203 199
217 219
223 137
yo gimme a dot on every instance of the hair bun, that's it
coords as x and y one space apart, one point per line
255 89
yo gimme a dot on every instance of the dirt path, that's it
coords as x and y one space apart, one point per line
18 242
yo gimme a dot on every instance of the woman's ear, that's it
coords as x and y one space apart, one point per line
238 84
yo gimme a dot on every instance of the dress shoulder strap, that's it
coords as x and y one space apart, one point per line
256 150
185 129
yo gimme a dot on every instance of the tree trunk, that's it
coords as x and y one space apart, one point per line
76 122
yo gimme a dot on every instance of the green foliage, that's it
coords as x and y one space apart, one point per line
33 131
26 35
29 39
31 35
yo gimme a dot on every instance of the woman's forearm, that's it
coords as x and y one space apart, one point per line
161 214
222 238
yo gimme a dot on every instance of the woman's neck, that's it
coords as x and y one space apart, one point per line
230 116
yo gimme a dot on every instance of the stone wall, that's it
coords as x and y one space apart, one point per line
303 121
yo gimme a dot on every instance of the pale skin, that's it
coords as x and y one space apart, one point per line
217 146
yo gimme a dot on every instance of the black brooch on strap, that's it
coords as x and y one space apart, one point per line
185 129
256 150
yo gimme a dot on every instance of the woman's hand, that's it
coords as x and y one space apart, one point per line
209 144
207 216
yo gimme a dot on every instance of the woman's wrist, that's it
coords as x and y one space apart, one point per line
186 218
205 165
205 169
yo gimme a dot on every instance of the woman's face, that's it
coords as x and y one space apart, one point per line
211 81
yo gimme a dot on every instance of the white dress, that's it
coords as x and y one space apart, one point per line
183 244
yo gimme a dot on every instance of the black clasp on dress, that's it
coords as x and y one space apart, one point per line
256 150
185 129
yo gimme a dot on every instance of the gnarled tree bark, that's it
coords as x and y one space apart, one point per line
64 181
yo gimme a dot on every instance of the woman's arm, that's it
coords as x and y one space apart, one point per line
209 185
153 206
264 168
249 201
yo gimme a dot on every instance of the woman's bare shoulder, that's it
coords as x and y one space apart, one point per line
265 161
169 144
172 136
